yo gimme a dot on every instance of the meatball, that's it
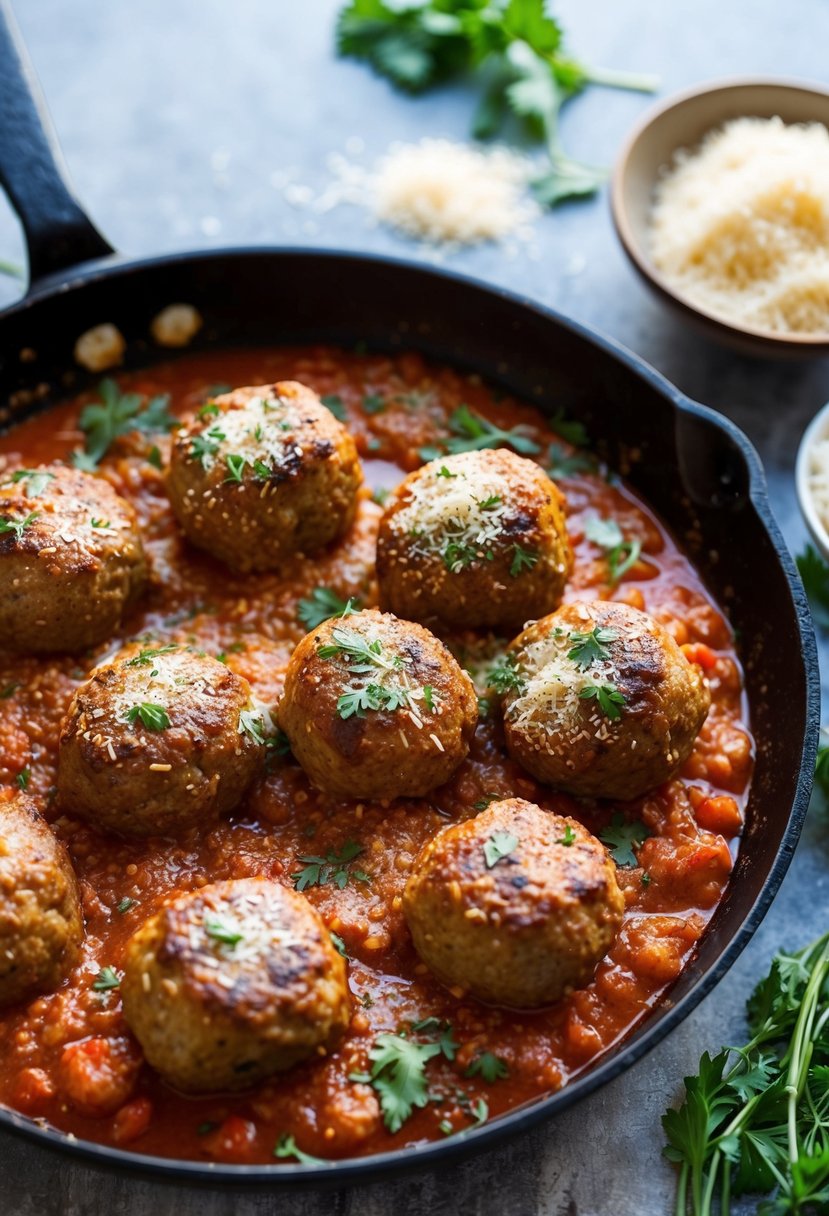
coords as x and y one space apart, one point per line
160 739
41 928
232 983
375 707
517 906
600 701
474 541
262 474
71 560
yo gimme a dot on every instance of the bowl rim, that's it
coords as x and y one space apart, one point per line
817 429
801 342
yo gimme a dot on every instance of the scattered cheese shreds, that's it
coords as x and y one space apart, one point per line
740 225
444 192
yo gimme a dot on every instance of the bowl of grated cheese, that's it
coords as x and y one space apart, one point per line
720 198
812 479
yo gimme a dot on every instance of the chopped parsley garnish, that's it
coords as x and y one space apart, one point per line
484 802
569 837
252 724
362 656
444 472
125 904
322 604
815 575
372 404
589 648
429 695
204 447
500 845
154 457
209 410
101 524
380 495
153 717
609 698
446 1127
335 404
470 432
489 504
235 467
222 931
262 471
373 697
457 556
489 1067
622 838
569 428
286 1148
504 676
106 979
338 944
522 559
480 1112
333 868
36 480
117 414
8 691
145 658
562 464
620 554
398 1071
23 778
18 526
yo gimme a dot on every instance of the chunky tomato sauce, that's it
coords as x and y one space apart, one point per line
68 1058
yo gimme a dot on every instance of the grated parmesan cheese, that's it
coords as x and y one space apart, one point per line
447 514
551 703
740 225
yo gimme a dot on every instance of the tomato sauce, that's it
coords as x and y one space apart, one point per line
68 1058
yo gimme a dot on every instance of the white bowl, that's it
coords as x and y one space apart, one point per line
817 430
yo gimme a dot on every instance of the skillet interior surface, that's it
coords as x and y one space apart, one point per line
693 467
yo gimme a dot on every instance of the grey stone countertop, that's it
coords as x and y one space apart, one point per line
187 123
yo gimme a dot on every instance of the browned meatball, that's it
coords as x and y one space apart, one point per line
71 560
262 474
375 707
474 541
40 913
232 983
517 906
160 739
600 701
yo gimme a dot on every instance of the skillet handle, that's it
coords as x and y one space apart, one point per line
32 171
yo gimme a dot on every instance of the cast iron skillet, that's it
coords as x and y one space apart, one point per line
696 469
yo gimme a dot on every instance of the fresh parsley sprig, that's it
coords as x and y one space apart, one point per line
608 697
518 50
116 414
333 868
621 554
471 432
34 481
622 838
756 1117
590 647
504 677
18 526
322 604
398 1069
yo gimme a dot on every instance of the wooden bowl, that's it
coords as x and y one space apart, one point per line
681 122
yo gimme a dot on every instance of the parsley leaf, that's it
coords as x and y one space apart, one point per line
221 930
470 432
125 904
336 405
333 868
153 717
252 724
322 604
489 1067
286 1148
523 559
569 837
622 838
500 845
588 648
621 554
117 414
36 481
504 677
398 1076
361 655
18 526
609 698
563 465
23 778
235 467
106 979
205 446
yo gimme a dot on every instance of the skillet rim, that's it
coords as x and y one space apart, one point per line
437 1153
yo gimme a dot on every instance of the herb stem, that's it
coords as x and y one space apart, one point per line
636 82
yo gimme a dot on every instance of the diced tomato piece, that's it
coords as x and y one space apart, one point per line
235 1140
720 814
702 655
97 1075
132 1120
33 1090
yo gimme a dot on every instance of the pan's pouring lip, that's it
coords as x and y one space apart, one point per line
654 1028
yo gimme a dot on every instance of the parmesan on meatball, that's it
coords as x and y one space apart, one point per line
71 560
161 739
375 707
262 474
600 701
41 927
517 906
232 983
474 541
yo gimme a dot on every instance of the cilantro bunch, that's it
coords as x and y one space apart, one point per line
756 1118
515 49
